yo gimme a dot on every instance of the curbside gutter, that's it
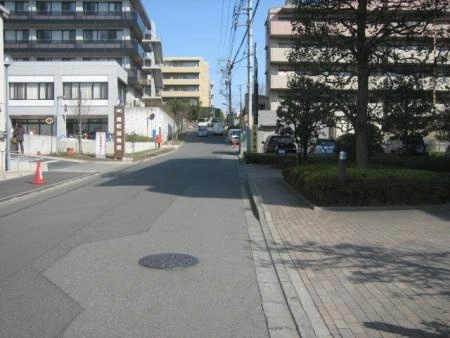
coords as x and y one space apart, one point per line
297 301
295 294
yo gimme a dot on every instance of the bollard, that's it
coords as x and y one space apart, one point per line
341 166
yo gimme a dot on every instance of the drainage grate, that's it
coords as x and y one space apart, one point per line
168 261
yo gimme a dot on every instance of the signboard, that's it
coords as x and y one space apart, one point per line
49 120
100 145
119 132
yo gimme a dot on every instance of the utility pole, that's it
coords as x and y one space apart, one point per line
230 109
228 84
250 77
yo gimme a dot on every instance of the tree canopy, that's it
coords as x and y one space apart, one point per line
348 44
305 110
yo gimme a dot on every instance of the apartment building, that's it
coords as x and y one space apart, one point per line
63 40
279 42
3 15
187 79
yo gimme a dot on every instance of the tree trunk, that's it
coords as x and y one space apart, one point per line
80 137
361 125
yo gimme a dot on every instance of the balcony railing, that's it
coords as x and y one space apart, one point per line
79 45
137 76
130 17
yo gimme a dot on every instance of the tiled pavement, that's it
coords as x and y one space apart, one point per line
361 272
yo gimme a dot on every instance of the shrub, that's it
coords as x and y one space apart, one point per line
270 158
369 187
431 163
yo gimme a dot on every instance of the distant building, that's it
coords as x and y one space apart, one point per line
187 79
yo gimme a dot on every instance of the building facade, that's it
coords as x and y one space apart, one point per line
74 45
187 79
280 41
39 90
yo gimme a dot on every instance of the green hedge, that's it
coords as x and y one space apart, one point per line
370 187
432 163
270 158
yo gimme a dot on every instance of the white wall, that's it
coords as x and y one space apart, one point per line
136 120
46 145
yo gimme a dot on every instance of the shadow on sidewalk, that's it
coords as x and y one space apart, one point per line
426 271
440 330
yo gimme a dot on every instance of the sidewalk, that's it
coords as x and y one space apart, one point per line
357 273
14 184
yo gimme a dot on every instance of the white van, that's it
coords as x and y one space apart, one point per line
217 128
203 122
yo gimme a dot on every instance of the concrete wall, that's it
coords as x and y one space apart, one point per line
46 145
137 121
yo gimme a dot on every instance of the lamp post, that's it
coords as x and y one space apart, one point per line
7 63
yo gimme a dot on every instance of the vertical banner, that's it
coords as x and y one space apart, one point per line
100 145
119 132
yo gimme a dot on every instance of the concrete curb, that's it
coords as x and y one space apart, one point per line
298 303
295 293
278 315
47 187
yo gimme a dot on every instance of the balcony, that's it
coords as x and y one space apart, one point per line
110 47
137 77
155 44
279 55
181 94
97 19
280 29
279 82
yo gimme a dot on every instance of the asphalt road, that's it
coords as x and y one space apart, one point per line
69 256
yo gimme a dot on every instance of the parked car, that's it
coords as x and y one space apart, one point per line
233 135
202 131
323 147
410 145
273 142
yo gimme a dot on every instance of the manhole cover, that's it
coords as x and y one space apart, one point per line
168 261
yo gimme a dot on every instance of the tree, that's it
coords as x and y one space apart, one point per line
442 124
80 107
345 42
304 110
180 112
407 108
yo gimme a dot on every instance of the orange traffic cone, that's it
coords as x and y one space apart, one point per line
38 178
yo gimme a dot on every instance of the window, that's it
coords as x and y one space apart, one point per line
91 7
101 35
43 35
31 91
16 6
44 6
85 90
57 35
16 35
68 7
102 7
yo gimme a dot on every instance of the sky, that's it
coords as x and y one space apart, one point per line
203 28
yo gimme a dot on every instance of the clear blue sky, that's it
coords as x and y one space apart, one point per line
204 28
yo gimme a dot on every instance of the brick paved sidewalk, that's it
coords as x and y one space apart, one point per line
361 273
